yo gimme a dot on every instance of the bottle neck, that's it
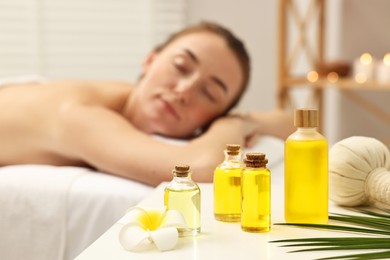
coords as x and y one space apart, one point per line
306 133
256 167
232 161
229 157
181 178
307 129
182 182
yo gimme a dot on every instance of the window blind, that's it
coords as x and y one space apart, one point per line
85 39
18 38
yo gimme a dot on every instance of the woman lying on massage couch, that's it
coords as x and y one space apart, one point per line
187 87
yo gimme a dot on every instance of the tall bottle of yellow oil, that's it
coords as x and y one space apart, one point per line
306 171
227 185
256 194
183 194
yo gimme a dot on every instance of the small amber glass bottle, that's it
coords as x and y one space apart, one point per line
227 185
183 194
255 194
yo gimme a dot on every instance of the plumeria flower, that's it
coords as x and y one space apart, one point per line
157 225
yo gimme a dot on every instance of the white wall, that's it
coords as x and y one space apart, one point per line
365 28
255 22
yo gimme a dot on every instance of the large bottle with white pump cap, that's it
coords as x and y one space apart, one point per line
306 171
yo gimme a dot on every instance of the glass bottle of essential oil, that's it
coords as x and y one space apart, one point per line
255 194
306 171
183 194
227 185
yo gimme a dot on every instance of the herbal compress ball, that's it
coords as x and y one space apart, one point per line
359 172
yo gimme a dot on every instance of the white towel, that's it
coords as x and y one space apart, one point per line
35 228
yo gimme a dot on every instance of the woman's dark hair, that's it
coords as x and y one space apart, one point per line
234 43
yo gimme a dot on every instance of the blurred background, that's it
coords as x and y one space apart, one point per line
108 39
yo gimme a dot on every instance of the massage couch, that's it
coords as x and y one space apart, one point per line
53 213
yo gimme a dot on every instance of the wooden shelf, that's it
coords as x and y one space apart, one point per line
343 83
309 40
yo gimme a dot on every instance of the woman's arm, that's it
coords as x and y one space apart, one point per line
105 140
277 123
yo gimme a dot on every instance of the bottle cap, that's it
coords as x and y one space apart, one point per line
233 149
256 160
306 117
181 170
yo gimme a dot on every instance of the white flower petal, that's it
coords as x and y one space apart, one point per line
130 236
165 238
173 218
136 227
132 216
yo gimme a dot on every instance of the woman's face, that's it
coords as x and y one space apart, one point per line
191 81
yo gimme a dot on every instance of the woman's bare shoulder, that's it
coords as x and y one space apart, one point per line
110 94
89 83
79 85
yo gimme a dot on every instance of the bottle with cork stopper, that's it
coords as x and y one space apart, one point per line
227 185
255 194
183 194
306 171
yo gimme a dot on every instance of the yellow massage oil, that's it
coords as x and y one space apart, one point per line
255 194
227 185
306 171
183 194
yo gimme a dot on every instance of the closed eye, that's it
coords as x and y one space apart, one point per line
181 64
208 94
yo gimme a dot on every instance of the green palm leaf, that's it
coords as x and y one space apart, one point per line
345 247
340 228
376 255
339 240
382 223
369 223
